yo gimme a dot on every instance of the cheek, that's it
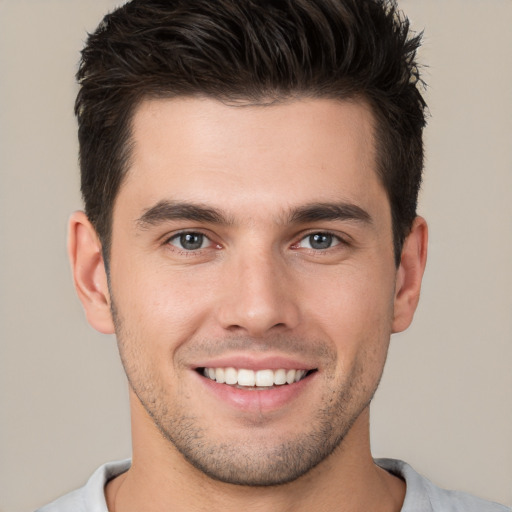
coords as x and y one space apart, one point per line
161 306
350 300
354 311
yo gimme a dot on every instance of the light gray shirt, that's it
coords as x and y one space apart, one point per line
421 494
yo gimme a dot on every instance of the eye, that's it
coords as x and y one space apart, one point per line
319 241
189 241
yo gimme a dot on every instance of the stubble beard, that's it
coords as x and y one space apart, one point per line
249 462
256 464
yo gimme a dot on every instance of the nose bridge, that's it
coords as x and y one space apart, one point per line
259 294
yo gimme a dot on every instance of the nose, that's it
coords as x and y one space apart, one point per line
259 295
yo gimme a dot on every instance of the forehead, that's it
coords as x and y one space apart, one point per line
262 156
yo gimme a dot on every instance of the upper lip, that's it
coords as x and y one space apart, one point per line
252 362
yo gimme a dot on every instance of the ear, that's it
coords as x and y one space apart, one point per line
410 274
89 275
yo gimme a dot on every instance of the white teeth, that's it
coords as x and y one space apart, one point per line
264 378
280 377
220 375
246 378
231 376
251 378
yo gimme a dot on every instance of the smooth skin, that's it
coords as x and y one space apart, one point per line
225 247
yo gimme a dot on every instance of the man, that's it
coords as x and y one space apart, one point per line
250 172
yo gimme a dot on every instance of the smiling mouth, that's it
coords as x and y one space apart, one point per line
254 379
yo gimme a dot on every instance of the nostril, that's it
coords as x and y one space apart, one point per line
235 328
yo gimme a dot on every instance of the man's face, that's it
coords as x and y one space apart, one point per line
253 245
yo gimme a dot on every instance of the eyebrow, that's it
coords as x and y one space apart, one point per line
167 210
330 211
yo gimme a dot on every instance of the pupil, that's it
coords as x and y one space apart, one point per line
191 241
320 241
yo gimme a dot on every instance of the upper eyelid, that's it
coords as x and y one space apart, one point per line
168 237
186 232
342 237
188 252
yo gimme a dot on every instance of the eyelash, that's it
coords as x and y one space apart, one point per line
178 236
334 238
339 240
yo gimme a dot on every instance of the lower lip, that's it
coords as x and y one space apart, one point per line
257 400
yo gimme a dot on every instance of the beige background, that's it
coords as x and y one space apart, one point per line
445 404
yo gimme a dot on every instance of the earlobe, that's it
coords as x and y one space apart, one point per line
89 275
410 274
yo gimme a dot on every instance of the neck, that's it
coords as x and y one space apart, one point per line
160 479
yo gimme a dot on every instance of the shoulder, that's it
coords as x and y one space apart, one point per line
91 497
423 496
72 501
